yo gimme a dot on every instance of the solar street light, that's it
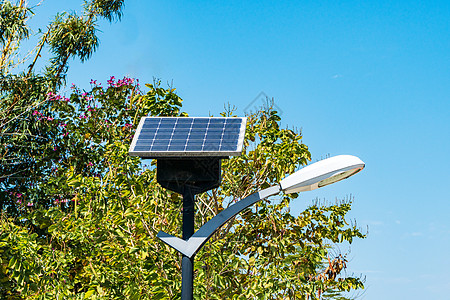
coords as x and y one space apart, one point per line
189 153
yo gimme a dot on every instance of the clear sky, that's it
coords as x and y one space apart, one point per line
368 78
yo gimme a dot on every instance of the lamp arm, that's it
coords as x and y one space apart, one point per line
199 238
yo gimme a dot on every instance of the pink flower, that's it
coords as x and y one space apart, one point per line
51 96
90 164
124 81
111 80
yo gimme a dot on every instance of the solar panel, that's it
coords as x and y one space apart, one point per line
183 136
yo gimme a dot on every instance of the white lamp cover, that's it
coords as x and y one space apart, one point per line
322 173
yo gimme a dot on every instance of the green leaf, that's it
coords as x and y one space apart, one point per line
133 250
89 293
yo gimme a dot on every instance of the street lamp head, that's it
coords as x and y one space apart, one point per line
322 173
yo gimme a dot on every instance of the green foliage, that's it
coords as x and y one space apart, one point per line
93 219
70 35
12 23
108 9
13 30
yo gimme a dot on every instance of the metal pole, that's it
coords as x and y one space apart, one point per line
187 264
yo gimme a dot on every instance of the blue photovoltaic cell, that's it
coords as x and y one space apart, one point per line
172 136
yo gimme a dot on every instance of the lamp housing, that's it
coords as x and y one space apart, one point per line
322 173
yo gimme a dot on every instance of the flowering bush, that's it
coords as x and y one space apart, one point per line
78 135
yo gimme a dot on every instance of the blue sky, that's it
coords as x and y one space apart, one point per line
368 78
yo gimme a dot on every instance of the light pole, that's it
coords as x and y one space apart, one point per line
311 177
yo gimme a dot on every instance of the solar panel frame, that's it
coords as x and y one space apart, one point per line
231 132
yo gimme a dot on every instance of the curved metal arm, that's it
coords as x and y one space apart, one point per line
198 239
